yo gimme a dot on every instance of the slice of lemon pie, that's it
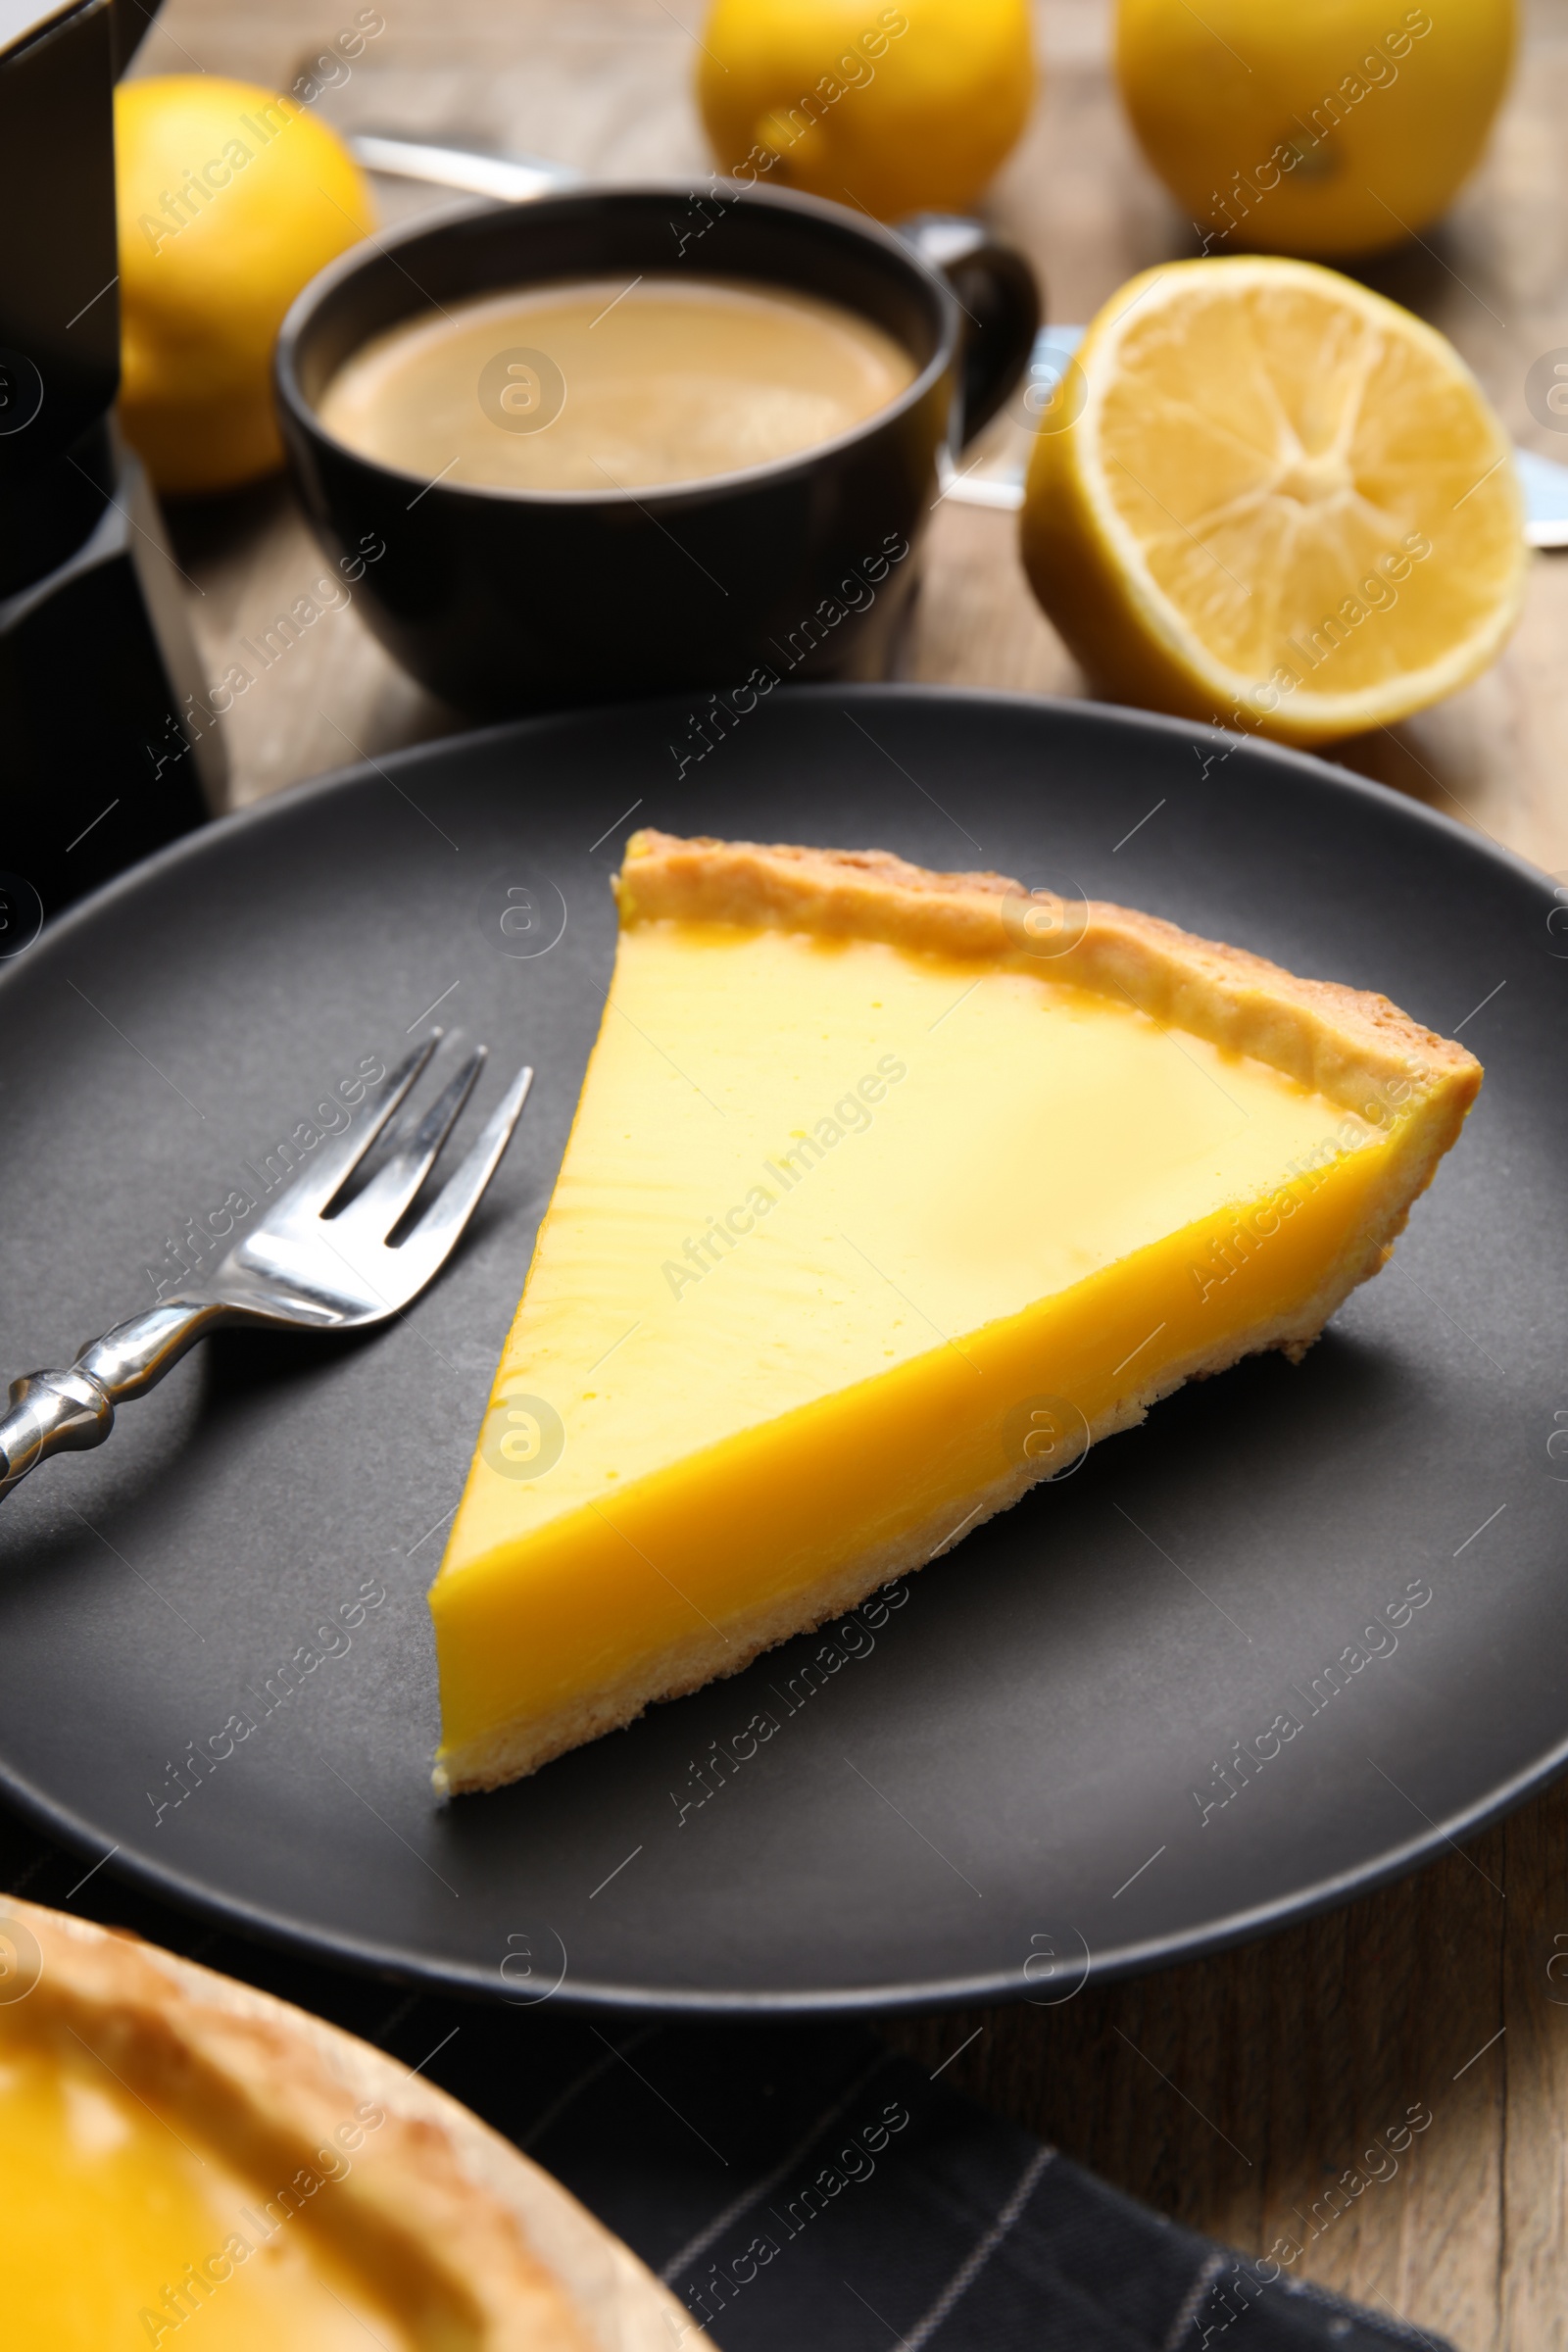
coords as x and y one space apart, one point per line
186 2161
889 1192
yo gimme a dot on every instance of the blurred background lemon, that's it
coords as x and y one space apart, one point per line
1330 129
231 199
896 109
1268 498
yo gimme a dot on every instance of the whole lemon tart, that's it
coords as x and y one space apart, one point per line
186 2161
889 1192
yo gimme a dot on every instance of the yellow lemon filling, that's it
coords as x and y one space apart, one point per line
186 2161
122 2226
851 1242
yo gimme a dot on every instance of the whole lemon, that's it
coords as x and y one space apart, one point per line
1334 129
231 199
895 109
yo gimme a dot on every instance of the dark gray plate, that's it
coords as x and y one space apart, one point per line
1032 1761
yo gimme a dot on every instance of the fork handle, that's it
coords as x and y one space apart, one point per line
63 1413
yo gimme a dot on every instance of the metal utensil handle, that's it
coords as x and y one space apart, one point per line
63 1413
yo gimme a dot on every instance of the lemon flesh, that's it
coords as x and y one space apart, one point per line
1273 500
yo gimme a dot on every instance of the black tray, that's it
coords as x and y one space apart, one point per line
1050 1717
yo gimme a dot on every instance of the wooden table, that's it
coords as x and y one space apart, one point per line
1234 2091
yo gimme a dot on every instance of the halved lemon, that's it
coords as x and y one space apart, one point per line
1266 496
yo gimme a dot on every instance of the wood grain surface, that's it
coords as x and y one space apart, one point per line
1257 2094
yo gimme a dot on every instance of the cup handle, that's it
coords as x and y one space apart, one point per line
1000 297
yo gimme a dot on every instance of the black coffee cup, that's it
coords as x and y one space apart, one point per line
503 601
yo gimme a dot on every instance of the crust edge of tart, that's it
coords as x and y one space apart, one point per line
1343 1042
432 2197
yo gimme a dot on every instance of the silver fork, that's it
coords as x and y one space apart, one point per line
297 1269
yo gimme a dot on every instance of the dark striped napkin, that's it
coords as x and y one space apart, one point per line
795 2185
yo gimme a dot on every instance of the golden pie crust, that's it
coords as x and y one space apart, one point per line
476 2246
1342 1042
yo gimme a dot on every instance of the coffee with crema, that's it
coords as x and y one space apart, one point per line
600 385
